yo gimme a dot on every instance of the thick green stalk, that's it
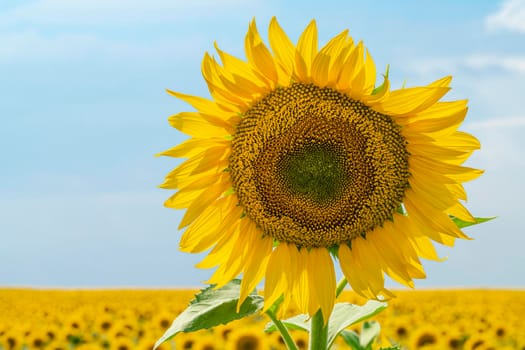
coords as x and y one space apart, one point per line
318 332
290 344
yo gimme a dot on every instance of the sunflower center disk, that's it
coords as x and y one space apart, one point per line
313 167
315 172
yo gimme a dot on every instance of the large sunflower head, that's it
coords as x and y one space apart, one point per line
299 160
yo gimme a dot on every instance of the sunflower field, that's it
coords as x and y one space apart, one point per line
135 319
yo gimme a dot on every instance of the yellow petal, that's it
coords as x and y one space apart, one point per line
411 100
242 69
275 283
457 191
298 280
452 171
256 262
212 158
460 141
222 251
196 125
207 229
370 74
425 248
339 60
182 200
203 182
212 74
282 47
443 82
368 262
392 260
379 97
206 198
201 165
434 193
306 51
203 105
440 125
459 211
192 147
258 54
352 271
321 277
322 61
350 68
320 69
427 215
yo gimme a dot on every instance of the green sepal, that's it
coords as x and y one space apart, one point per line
212 307
381 87
461 224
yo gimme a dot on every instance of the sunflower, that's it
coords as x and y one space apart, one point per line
299 160
426 337
247 338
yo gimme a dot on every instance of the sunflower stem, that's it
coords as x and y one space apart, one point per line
340 286
318 332
290 344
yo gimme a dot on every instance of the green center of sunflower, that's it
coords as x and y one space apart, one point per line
313 167
314 171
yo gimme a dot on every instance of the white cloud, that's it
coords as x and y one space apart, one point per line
115 12
30 46
511 16
508 63
498 123
477 62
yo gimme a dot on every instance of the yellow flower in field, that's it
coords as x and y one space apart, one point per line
299 155
276 341
499 329
207 342
454 339
224 331
186 340
91 346
479 342
37 339
301 339
426 337
11 340
148 342
122 343
103 323
247 338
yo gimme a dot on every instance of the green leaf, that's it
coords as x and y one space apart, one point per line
299 322
212 307
369 331
352 339
346 314
343 315
461 224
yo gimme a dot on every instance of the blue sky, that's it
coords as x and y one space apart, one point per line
84 110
